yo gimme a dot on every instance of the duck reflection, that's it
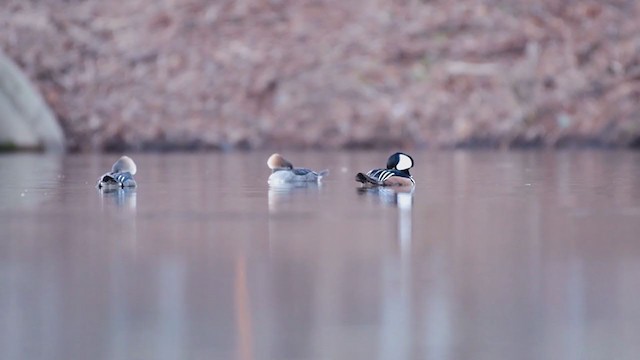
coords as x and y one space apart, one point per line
119 216
282 195
122 198
400 197
397 303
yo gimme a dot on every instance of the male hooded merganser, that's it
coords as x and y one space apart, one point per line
120 176
396 173
283 172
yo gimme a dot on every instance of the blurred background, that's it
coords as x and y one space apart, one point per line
493 254
90 75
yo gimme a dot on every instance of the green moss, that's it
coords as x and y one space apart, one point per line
8 147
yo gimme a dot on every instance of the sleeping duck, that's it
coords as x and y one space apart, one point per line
282 172
120 176
396 173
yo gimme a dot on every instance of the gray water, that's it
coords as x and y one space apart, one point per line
496 255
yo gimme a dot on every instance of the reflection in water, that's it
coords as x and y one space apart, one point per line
500 256
396 303
400 197
123 199
243 311
120 205
281 194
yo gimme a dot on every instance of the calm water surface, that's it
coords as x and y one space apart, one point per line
495 255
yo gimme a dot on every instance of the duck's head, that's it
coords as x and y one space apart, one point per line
277 162
400 161
124 164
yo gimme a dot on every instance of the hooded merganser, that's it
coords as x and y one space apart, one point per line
283 172
120 176
396 173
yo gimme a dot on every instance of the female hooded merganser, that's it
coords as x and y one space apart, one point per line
283 172
120 176
396 173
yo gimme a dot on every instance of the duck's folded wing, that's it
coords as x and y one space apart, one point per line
365 179
301 171
305 171
379 175
387 177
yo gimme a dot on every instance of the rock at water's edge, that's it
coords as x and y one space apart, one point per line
26 121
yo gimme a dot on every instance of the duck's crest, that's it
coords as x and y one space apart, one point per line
277 162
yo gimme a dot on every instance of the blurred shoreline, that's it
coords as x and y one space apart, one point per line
195 75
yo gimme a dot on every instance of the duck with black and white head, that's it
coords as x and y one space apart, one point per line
396 174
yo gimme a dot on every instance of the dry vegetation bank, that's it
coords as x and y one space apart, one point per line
151 74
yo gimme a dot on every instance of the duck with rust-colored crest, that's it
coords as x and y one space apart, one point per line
283 172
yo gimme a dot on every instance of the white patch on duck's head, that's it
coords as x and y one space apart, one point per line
277 162
405 162
124 164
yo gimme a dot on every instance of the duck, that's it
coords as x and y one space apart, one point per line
120 176
396 173
283 172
